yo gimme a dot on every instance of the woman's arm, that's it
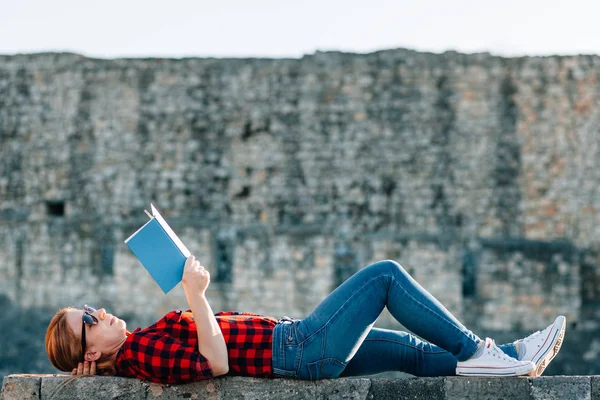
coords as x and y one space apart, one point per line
211 343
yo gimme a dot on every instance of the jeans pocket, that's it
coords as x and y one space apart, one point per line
326 368
292 357
287 353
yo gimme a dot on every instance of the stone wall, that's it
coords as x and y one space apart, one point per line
477 173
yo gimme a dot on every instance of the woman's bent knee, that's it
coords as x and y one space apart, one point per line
388 267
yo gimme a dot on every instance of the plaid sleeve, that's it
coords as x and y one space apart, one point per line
160 358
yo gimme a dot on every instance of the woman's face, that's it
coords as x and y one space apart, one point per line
104 338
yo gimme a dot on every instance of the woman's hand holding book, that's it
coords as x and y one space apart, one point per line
195 277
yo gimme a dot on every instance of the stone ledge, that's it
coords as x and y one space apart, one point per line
55 387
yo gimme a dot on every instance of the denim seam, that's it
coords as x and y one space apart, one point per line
406 345
279 342
329 359
282 339
324 342
299 357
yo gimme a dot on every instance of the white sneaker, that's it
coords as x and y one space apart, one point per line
542 347
493 362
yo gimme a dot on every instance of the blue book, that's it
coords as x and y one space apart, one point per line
159 250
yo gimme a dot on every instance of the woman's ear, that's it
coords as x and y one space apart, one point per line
92 355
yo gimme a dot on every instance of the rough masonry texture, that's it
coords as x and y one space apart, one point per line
59 387
479 174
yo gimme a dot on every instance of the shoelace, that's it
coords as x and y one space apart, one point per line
496 352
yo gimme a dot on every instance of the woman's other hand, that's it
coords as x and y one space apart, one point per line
195 277
85 368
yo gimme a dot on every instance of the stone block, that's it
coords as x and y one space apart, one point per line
202 390
561 387
595 385
464 388
21 387
407 388
66 387
269 389
344 388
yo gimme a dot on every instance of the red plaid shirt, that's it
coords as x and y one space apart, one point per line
167 352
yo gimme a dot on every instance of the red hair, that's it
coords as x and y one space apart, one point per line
64 347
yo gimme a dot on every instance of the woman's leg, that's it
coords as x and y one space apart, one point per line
334 331
387 350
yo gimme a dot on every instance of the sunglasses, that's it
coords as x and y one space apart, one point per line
87 319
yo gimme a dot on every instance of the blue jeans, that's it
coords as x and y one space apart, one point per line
338 337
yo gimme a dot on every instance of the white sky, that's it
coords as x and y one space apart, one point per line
282 28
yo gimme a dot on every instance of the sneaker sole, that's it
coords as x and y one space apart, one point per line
545 358
475 371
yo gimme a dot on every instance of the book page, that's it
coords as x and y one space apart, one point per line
170 232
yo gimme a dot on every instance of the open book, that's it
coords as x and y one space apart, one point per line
159 250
